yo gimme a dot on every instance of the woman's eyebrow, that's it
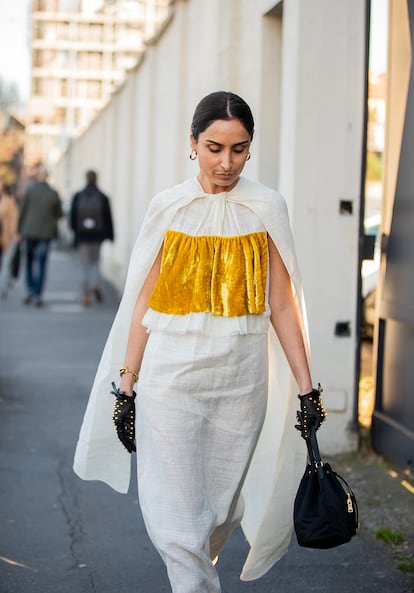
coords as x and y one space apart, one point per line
218 143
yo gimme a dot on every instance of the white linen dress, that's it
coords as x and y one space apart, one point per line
201 402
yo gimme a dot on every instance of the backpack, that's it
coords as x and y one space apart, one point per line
89 213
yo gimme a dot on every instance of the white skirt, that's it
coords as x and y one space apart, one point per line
200 409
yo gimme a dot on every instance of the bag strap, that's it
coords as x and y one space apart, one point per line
313 451
316 463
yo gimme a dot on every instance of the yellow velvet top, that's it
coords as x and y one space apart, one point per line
221 275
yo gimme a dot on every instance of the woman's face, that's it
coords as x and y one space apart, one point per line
222 151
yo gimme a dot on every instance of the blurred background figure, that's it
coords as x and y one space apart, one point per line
91 221
8 239
40 211
27 179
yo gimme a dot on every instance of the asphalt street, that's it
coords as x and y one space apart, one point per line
62 535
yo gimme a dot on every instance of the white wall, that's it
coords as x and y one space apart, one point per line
302 73
320 165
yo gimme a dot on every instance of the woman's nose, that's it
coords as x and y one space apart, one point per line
226 161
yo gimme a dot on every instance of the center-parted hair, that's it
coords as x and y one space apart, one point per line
221 105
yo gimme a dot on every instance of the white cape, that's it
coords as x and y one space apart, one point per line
280 456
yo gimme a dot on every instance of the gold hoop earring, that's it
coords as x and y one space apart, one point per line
193 154
248 157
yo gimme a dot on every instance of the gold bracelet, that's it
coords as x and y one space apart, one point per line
125 370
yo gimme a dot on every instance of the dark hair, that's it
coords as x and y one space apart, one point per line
91 177
221 105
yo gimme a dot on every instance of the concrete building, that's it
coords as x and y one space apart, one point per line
79 57
12 133
302 66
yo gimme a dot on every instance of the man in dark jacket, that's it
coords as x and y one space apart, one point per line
39 213
91 222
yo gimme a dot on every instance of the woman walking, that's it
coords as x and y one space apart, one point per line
212 328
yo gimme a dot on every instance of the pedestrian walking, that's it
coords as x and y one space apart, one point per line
91 222
8 238
212 329
40 211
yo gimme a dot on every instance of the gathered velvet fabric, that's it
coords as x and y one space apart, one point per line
211 274
182 358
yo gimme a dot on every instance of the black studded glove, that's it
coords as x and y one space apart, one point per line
311 412
123 416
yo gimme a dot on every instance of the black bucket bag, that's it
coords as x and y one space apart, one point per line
325 509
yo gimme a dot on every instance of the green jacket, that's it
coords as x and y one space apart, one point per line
39 213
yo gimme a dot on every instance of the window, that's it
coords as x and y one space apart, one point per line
37 58
37 85
38 30
49 31
82 89
63 91
62 30
82 32
95 60
95 33
94 89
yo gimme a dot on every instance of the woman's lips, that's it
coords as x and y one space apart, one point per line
225 175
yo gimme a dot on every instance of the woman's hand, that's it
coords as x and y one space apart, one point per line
123 416
312 411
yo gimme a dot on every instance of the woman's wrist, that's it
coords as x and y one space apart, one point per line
126 384
125 370
305 388
128 378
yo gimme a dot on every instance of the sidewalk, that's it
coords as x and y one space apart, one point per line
61 534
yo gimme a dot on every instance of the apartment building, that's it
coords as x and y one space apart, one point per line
81 51
11 147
